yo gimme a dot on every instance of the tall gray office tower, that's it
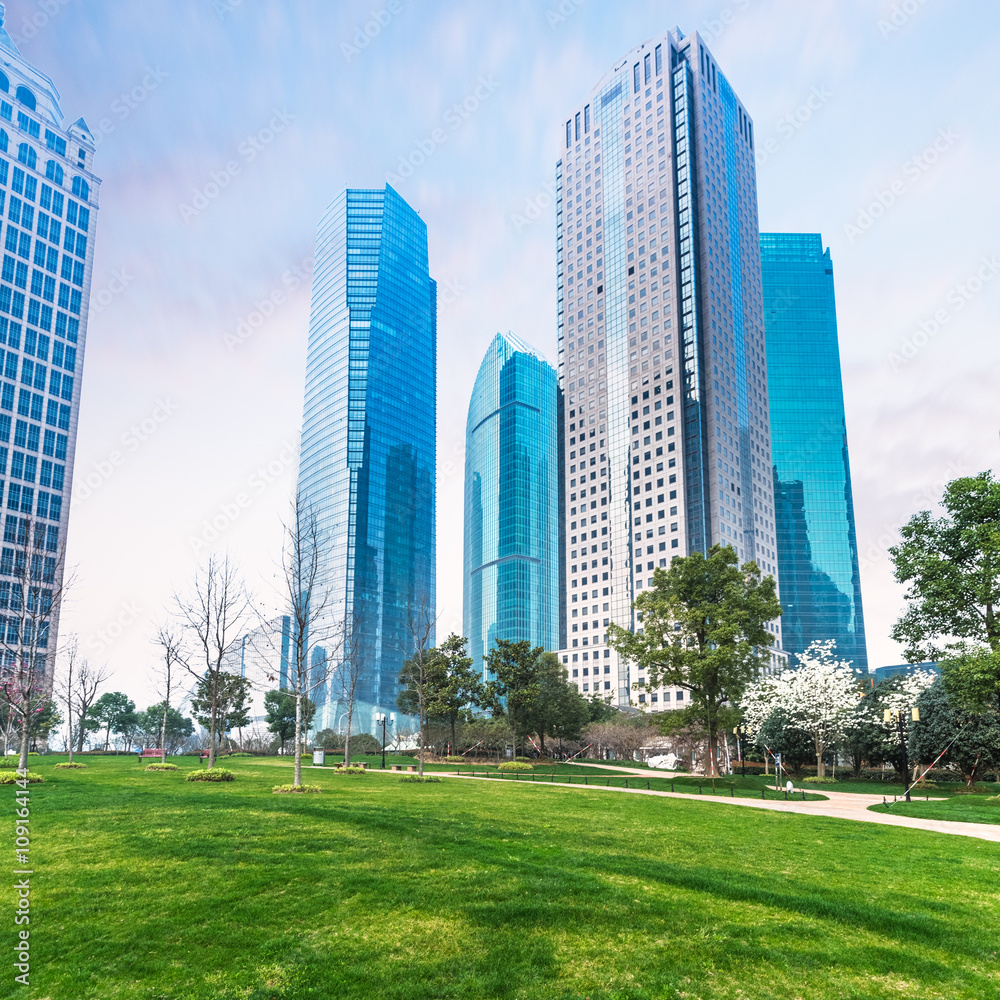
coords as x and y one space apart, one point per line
366 470
661 344
48 195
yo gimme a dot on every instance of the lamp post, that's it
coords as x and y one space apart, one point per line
898 717
740 732
381 719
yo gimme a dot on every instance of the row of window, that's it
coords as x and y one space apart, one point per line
25 466
22 498
18 529
18 632
12 598
27 155
23 213
41 315
30 404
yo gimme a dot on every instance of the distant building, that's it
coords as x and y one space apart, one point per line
666 443
262 657
48 195
367 461
511 578
813 500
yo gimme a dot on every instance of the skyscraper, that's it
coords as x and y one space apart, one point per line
367 464
661 342
48 192
817 543
511 580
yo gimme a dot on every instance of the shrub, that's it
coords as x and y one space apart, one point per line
351 769
813 780
455 759
11 777
242 753
524 760
212 774
302 789
421 778
158 766
515 765
66 765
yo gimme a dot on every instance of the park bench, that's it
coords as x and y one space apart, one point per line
151 752
397 767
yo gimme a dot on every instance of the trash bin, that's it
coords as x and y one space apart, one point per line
319 757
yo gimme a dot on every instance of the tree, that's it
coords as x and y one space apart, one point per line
898 696
951 565
780 734
447 683
623 736
215 614
559 710
971 739
115 711
287 715
164 725
817 697
313 620
80 692
600 710
229 696
515 669
420 667
704 629
173 658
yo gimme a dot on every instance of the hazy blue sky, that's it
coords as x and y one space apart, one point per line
241 119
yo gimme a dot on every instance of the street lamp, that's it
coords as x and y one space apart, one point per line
381 719
740 732
898 717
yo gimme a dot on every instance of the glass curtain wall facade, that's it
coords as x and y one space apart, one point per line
48 206
512 532
367 463
661 344
817 542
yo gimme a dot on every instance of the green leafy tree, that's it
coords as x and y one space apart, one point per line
169 732
704 629
280 708
599 710
779 734
559 710
115 712
972 739
228 695
951 566
516 669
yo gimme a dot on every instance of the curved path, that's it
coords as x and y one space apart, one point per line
839 805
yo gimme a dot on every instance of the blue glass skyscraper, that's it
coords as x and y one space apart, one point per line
814 507
511 581
367 464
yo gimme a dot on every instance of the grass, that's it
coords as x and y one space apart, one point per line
961 808
147 887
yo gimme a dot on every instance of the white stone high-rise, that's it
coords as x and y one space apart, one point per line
48 201
661 344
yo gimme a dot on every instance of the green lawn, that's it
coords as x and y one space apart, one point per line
964 808
147 886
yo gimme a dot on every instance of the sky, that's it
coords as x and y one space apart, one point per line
225 128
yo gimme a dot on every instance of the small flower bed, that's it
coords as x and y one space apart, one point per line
12 777
67 765
159 766
350 769
419 778
211 774
813 780
301 789
515 765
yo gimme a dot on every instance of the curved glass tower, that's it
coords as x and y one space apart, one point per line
511 580
814 507
366 469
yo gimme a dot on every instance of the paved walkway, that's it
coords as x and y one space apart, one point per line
840 805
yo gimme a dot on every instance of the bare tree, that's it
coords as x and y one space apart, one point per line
81 695
420 622
30 599
216 614
71 652
312 622
173 659
354 666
